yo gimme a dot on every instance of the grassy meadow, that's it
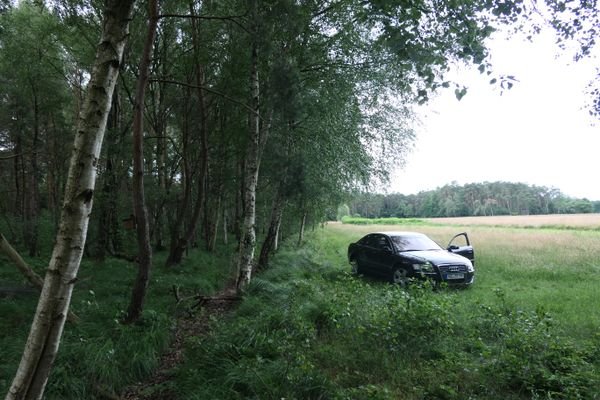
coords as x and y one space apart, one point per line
559 221
529 328
555 269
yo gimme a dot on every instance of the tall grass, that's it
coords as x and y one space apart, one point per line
308 329
382 221
100 356
558 270
557 221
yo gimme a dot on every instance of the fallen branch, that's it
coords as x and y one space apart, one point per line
12 291
123 256
199 299
29 273
206 299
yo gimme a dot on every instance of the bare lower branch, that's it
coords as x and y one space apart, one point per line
210 90
27 271
3 158
230 18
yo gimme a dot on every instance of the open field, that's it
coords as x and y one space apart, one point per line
557 270
527 329
553 220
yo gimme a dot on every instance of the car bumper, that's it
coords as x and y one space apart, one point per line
451 278
468 279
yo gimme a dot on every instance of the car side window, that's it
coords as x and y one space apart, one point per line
367 241
382 243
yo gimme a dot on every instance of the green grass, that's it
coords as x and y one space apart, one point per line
558 270
101 355
308 329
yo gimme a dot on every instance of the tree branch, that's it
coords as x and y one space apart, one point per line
4 158
213 91
231 18
27 271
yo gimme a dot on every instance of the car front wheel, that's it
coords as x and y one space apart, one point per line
400 276
355 267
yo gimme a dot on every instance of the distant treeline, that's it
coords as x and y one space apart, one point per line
488 198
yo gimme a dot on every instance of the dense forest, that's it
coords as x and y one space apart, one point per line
130 127
488 198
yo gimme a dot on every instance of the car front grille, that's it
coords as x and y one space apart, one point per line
451 268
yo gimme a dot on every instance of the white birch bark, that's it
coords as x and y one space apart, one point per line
49 320
276 240
248 231
302 227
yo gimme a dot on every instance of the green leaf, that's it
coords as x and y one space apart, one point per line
460 93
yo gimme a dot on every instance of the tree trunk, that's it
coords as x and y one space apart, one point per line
182 244
212 222
49 320
175 250
108 241
160 120
302 227
225 238
239 202
144 258
250 177
270 242
279 201
32 192
18 169
277 237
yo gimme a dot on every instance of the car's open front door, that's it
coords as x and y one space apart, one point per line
461 245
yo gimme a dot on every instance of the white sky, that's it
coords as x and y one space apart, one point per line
538 133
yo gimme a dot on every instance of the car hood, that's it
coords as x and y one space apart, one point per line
435 256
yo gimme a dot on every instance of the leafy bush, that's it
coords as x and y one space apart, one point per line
524 354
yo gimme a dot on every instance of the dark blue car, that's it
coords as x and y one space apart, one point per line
402 256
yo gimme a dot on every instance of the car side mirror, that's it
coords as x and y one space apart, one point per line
453 247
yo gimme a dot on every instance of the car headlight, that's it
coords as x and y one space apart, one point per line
470 267
424 267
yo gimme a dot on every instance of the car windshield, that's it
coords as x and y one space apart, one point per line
414 243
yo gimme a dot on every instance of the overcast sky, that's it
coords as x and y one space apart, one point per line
538 133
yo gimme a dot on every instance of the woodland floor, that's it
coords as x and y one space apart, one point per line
193 324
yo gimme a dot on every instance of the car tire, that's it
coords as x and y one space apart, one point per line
355 267
400 276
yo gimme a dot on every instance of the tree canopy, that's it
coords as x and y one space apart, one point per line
473 199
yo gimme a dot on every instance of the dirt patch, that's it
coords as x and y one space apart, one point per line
157 386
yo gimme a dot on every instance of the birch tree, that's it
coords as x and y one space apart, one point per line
49 320
251 164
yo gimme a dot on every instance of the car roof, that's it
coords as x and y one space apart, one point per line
398 233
